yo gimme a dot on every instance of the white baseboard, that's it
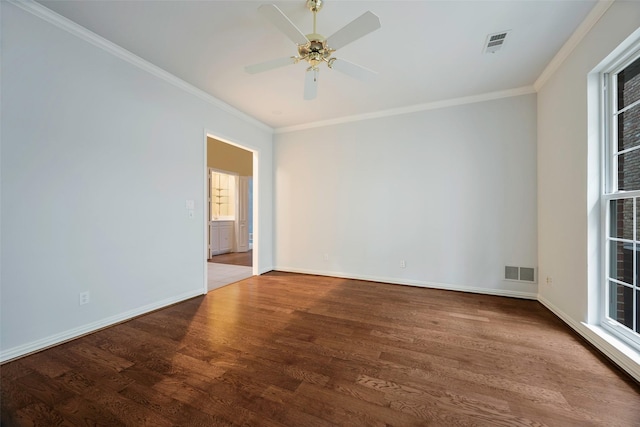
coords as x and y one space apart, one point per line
410 282
620 353
264 270
41 344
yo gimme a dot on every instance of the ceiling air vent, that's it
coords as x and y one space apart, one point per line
495 41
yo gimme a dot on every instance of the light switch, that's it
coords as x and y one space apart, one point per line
191 204
191 214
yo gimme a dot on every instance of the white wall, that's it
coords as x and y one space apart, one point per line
98 158
450 191
568 175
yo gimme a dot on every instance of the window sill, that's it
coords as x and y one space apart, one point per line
620 353
623 354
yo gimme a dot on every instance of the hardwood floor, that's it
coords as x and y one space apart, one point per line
295 350
234 258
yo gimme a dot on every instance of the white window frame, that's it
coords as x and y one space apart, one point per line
610 192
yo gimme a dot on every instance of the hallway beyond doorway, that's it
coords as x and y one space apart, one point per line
219 275
234 258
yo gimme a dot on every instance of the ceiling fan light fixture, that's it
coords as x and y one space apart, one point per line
314 52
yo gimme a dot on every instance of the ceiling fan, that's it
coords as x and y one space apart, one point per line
315 48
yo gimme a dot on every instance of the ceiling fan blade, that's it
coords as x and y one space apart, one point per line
351 32
311 84
353 70
269 65
284 24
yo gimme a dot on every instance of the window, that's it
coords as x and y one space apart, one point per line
621 198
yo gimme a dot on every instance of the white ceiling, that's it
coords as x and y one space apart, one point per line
426 51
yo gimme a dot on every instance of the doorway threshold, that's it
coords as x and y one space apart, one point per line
224 274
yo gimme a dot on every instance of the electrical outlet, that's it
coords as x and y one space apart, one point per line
326 257
84 298
549 280
403 264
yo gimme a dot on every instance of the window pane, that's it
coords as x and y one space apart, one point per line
637 311
629 171
629 128
629 85
621 304
637 254
621 262
637 219
622 219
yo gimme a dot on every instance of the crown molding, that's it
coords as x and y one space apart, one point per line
583 29
82 33
525 90
75 29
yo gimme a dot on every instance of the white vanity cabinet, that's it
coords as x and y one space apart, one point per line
221 237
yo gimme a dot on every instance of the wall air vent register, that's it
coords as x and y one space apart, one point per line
520 274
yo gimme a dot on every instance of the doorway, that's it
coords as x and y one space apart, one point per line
230 215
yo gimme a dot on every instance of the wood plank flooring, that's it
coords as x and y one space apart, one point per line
234 258
295 350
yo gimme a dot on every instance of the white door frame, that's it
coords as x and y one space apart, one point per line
242 211
256 198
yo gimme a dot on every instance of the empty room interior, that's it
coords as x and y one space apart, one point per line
315 213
